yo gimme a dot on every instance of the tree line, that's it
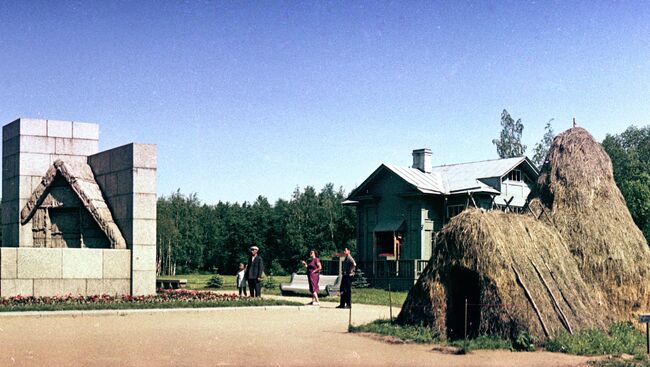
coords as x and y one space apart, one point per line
215 238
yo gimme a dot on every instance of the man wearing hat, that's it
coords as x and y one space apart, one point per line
254 272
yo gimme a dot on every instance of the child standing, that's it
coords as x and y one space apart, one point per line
241 280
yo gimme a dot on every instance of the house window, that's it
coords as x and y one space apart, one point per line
454 210
514 175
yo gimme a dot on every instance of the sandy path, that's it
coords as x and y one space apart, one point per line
251 337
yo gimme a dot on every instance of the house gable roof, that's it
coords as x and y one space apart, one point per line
451 179
467 176
422 182
82 182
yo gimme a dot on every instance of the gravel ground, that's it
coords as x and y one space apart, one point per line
283 336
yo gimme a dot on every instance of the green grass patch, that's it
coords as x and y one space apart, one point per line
638 360
200 282
417 334
621 337
366 296
424 335
139 306
481 342
374 296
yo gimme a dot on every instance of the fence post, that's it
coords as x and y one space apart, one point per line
465 320
350 318
390 303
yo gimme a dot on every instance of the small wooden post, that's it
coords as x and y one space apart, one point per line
390 303
350 318
465 320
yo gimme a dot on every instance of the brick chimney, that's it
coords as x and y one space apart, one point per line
422 160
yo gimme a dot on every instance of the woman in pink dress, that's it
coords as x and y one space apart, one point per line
313 274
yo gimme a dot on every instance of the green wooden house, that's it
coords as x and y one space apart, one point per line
400 209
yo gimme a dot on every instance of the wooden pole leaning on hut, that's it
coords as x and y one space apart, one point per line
532 302
563 317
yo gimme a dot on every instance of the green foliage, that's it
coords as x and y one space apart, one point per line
275 268
269 283
621 337
195 237
215 282
540 151
509 143
360 280
481 342
417 334
524 342
630 155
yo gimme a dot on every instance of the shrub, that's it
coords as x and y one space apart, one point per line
524 342
276 269
215 282
269 283
360 280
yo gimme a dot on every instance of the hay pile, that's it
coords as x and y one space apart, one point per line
578 262
588 209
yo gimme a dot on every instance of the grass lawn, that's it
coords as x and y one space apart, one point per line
368 296
624 344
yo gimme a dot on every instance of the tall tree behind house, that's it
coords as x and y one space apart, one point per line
509 142
540 151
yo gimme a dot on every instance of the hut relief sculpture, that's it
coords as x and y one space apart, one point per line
75 219
67 210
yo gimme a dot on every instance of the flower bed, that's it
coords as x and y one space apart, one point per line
165 298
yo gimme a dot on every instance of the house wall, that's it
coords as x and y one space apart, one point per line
434 207
517 189
391 205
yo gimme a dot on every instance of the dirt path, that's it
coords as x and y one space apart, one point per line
242 337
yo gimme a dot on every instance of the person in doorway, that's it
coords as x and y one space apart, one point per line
349 266
254 272
313 275
241 280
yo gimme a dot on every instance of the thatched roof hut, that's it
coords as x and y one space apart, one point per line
576 260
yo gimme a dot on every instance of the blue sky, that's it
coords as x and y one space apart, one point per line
255 98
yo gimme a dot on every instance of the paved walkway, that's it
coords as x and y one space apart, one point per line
283 336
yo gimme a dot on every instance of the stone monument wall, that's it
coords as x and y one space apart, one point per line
61 248
127 176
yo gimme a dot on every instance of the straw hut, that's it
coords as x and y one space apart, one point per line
575 260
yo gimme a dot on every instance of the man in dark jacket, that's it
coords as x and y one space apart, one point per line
349 266
254 272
